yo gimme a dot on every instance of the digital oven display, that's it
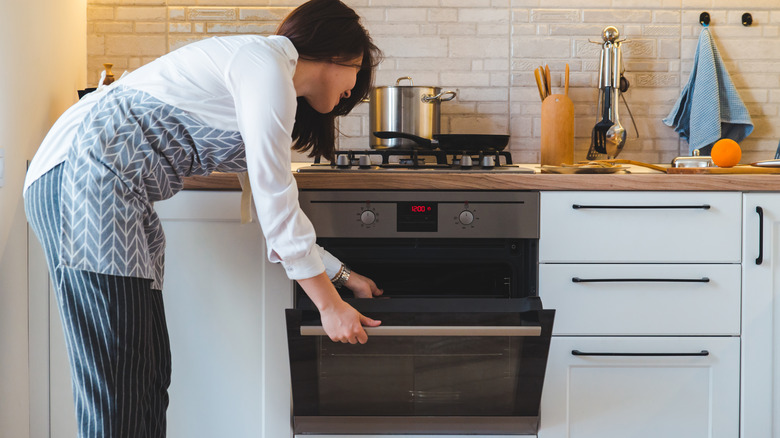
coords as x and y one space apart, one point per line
418 216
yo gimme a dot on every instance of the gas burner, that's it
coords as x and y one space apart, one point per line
392 159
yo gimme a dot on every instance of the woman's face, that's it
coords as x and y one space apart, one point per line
337 80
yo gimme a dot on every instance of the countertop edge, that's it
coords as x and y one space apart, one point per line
492 181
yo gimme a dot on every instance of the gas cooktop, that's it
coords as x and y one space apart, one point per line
415 160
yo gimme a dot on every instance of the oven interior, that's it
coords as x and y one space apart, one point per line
444 268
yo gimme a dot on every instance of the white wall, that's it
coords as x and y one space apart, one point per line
487 50
43 58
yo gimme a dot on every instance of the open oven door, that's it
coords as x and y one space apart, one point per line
434 366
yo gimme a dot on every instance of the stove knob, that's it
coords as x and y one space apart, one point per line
364 162
488 162
466 217
343 162
465 161
368 217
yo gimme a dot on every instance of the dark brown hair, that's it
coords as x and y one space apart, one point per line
328 30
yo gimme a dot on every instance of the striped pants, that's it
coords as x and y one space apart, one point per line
115 334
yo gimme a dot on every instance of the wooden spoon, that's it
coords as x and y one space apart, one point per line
539 84
549 80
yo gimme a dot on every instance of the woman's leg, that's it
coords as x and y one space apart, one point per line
120 355
115 334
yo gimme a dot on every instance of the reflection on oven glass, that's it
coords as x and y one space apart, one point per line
431 375
433 279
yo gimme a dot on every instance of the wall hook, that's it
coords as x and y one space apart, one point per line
704 18
747 19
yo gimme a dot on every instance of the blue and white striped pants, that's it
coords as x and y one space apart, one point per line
115 333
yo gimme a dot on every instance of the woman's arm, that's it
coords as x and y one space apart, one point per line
341 321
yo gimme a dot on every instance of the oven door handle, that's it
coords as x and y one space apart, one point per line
437 331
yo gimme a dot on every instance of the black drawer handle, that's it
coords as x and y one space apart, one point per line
583 353
640 280
642 207
760 258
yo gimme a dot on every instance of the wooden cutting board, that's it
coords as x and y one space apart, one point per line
746 169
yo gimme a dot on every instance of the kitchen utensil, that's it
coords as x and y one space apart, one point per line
767 163
584 169
600 129
557 136
566 81
453 142
634 163
539 84
592 154
406 108
544 82
695 161
548 79
616 134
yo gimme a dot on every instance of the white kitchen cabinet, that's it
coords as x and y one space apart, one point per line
225 310
647 290
224 306
642 299
641 396
640 227
761 316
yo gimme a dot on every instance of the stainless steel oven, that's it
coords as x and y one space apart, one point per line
464 340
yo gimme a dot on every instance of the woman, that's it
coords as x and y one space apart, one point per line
228 104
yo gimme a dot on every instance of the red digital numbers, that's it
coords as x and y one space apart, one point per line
420 208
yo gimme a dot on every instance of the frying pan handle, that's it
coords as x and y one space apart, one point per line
440 97
395 134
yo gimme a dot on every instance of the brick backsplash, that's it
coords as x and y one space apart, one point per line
487 50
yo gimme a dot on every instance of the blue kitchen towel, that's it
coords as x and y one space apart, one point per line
709 107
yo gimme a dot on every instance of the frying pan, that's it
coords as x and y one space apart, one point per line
453 142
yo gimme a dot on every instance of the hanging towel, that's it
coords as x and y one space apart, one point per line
709 107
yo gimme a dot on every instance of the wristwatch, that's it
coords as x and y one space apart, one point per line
341 278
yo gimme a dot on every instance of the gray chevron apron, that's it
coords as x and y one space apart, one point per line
131 151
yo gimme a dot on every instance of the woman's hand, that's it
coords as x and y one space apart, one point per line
344 324
341 321
362 287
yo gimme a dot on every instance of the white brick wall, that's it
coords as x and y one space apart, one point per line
487 50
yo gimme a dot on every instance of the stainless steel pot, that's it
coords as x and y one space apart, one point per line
410 109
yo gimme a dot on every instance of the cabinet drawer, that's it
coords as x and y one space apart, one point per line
642 299
661 394
647 227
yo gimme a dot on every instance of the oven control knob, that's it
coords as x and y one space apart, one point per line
364 162
368 217
488 162
466 217
465 161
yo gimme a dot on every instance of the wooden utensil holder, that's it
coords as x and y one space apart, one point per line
557 146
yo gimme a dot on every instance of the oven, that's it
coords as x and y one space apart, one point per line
464 339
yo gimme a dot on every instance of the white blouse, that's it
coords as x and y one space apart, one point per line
237 83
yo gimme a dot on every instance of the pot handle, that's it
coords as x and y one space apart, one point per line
398 81
444 96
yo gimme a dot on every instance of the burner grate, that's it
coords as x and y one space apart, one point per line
415 159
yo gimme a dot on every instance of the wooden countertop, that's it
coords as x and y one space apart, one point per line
493 181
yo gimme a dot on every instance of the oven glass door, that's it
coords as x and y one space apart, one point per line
434 366
455 268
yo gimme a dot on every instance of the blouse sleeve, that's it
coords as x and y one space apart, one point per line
260 80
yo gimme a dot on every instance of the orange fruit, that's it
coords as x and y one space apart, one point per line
726 153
